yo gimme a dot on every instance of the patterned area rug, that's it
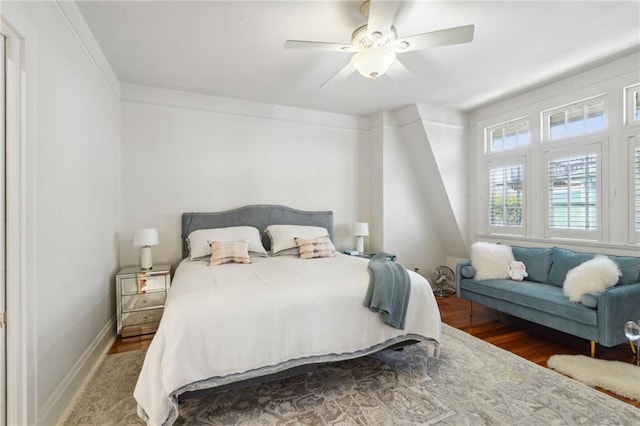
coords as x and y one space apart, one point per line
472 382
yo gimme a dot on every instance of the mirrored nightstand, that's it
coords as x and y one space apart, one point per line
140 296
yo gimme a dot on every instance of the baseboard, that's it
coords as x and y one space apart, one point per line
61 401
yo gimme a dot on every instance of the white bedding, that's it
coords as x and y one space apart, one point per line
235 321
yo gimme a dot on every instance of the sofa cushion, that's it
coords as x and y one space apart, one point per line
630 268
468 271
536 259
563 261
590 299
548 299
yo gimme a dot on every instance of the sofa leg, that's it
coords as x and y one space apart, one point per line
498 316
633 347
593 349
470 309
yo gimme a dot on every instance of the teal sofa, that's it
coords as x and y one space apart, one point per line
599 317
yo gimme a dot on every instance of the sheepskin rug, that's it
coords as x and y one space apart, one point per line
616 376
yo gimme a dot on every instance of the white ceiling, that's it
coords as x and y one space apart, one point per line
235 49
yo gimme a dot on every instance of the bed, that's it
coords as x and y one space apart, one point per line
234 322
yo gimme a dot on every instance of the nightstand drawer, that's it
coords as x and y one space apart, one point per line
141 317
143 284
142 301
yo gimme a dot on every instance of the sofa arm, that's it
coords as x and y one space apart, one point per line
461 264
616 306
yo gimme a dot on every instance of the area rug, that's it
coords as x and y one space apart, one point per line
471 383
618 377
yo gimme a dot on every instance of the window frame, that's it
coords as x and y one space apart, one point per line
545 115
630 94
513 123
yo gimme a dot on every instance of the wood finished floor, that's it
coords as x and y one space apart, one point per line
527 340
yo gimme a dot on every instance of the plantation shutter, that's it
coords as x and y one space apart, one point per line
573 193
637 189
506 203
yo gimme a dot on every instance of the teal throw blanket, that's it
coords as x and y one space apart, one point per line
389 289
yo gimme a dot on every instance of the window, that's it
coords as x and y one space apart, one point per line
573 195
576 119
506 201
561 166
510 135
632 104
634 189
506 197
504 212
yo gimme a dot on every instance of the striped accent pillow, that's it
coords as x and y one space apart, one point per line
310 248
229 251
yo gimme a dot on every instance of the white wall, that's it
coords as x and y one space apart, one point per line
184 152
411 230
448 189
73 168
420 173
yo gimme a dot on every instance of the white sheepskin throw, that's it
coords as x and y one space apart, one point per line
491 261
597 275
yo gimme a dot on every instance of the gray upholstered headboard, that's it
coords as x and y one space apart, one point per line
259 216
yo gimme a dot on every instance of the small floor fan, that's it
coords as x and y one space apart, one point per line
444 281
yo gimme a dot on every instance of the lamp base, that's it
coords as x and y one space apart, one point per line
145 258
360 245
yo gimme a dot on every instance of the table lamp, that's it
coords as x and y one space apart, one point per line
360 230
146 238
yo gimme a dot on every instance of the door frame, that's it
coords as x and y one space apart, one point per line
20 348
3 231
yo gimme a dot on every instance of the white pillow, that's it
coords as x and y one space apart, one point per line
288 252
596 275
490 260
283 237
198 241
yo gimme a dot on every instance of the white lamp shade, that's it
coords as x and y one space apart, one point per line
360 229
374 61
146 237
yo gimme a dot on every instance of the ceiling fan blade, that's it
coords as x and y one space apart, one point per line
339 77
320 45
457 35
381 16
400 74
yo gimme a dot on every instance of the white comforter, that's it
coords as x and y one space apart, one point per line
276 313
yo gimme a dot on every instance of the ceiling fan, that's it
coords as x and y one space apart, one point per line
376 44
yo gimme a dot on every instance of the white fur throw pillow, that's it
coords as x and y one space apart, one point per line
491 261
597 275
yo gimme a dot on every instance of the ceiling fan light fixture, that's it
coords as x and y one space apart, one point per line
374 61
